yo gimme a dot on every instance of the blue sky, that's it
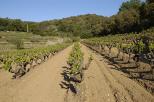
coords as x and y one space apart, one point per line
40 10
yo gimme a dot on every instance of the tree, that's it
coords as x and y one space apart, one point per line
131 4
127 20
147 14
150 1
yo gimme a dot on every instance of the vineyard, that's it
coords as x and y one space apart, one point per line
130 53
75 73
21 61
120 65
23 40
77 51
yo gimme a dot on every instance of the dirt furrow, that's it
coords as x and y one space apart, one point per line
136 92
122 88
96 88
121 95
39 85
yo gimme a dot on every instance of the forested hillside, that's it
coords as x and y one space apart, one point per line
133 16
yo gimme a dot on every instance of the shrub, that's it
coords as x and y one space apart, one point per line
19 43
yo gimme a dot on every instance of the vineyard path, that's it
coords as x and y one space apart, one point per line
102 84
39 85
105 84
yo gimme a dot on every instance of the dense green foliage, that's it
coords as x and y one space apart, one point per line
133 16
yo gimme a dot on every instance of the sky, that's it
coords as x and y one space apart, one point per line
40 10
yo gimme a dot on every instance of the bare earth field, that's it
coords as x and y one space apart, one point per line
101 83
